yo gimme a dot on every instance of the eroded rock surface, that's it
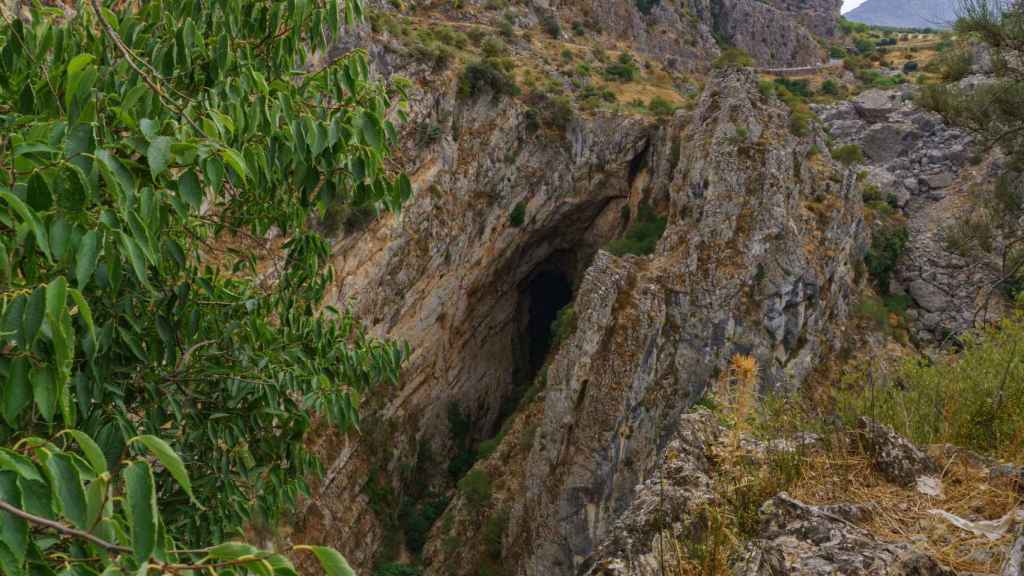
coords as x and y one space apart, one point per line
896 458
803 540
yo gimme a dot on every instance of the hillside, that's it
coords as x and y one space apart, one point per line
906 14
507 288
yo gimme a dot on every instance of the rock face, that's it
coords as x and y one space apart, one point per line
804 540
780 33
907 14
917 164
911 152
757 259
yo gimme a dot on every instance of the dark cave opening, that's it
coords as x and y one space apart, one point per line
547 293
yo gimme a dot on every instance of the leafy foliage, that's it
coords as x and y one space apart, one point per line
59 509
972 400
886 248
139 143
849 154
642 237
734 58
491 75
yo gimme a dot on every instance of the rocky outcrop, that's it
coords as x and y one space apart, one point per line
775 33
669 507
803 540
757 259
910 151
899 461
916 163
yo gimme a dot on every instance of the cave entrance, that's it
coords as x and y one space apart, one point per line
546 294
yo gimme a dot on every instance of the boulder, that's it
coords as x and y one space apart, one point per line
876 105
895 457
938 181
928 296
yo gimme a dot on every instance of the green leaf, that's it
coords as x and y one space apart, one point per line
28 215
237 163
169 458
33 318
232 551
13 530
121 176
141 509
56 297
85 311
370 128
214 172
332 562
190 189
137 258
10 460
60 235
44 390
85 260
93 452
67 489
38 194
159 155
9 564
17 392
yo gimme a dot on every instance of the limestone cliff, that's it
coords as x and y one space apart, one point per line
756 260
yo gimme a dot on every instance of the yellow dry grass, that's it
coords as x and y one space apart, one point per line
902 514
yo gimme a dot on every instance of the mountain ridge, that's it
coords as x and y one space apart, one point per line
908 14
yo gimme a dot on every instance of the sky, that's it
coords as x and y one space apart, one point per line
851 4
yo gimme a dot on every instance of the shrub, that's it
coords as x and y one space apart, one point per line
475 487
398 570
733 58
494 533
563 326
887 246
801 88
909 67
487 75
518 215
830 87
549 23
624 69
661 107
493 47
837 52
645 6
642 237
955 65
849 154
971 400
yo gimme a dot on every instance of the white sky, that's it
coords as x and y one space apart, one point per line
851 4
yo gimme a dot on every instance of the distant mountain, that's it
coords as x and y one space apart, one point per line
906 13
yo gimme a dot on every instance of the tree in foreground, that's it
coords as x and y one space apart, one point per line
162 165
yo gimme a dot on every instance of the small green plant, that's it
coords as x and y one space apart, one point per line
887 246
830 88
624 69
475 487
642 236
563 326
518 215
848 155
661 107
488 76
398 570
733 58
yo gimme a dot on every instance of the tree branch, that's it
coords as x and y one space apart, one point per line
62 528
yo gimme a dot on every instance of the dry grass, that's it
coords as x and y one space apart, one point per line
845 475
